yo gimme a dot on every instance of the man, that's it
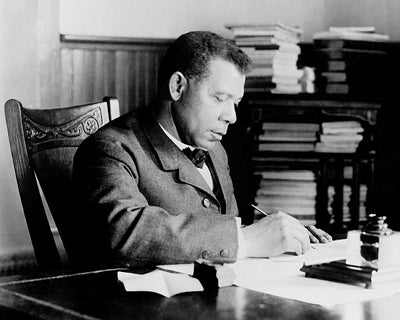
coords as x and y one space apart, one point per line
149 203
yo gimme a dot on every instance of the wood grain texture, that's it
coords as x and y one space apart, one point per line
93 67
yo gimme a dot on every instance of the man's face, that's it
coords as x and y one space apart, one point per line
207 107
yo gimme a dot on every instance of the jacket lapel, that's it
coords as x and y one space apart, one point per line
169 155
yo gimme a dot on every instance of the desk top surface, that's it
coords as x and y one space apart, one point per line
97 295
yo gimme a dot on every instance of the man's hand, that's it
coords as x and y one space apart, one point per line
317 235
275 234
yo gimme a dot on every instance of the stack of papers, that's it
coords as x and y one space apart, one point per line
280 276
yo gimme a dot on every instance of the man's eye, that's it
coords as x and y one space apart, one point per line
219 99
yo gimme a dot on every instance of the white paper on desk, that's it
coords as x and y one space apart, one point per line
186 268
281 276
161 282
319 253
294 285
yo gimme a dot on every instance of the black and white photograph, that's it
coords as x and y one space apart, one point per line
209 159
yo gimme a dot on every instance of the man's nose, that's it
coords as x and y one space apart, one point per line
229 113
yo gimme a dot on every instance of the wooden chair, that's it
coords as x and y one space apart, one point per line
43 143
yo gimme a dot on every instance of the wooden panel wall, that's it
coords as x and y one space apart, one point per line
92 68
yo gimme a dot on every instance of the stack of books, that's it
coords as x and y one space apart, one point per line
339 136
274 51
288 136
350 61
288 190
347 201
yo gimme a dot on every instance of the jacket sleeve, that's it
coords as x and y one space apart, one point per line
124 202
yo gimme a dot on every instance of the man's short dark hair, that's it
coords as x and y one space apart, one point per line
191 52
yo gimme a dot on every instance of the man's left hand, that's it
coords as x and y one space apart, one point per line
317 235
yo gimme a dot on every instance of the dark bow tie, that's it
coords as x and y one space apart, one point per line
197 156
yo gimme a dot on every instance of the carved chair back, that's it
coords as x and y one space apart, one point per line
43 143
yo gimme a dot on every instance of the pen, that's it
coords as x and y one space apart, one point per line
267 214
261 211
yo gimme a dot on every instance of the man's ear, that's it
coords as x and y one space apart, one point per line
177 84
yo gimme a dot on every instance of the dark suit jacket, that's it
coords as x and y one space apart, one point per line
147 201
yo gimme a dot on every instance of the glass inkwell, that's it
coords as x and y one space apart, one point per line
375 245
371 257
370 236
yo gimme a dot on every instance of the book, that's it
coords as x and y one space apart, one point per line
326 125
277 184
344 130
287 72
262 29
291 126
282 88
268 54
267 138
298 192
372 88
349 54
333 65
354 69
336 88
261 71
287 135
341 124
284 79
339 130
337 148
251 39
287 46
287 146
350 44
351 35
285 201
330 76
279 174
356 76
273 45
352 137
354 29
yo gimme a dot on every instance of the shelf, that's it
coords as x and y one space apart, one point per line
258 108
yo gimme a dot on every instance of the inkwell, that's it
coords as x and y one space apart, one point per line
371 256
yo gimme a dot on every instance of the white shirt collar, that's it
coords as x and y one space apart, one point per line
178 143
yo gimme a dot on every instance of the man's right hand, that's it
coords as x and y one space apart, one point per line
275 234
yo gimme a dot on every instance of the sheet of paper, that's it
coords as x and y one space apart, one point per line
284 279
161 282
319 253
281 276
179 268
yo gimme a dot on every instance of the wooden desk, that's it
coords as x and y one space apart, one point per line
97 295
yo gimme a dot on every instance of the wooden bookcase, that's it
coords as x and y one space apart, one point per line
258 108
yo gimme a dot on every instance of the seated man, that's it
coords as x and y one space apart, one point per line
146 199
